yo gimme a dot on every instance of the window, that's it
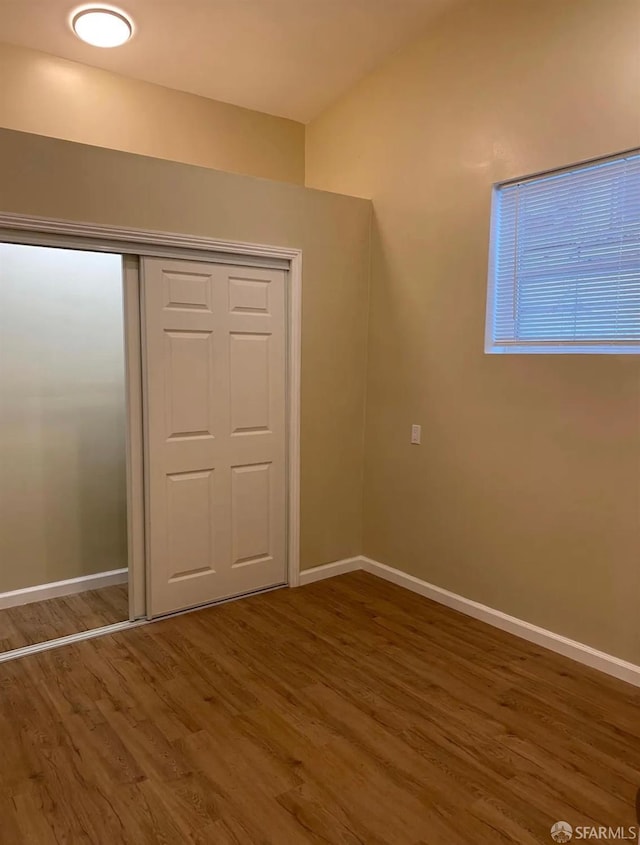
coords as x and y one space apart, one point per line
564 270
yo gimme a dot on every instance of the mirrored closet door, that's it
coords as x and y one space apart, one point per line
63 425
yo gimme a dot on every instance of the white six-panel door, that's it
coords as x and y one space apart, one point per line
214 355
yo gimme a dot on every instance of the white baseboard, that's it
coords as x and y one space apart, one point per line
63 588
572 649
328 570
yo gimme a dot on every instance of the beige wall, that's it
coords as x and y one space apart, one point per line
62 417
50 96
54 178
525 492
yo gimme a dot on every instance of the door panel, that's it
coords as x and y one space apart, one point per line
248 295
189 396
190 523
250 498
187 291
215 407
250 382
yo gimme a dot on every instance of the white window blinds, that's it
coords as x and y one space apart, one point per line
565 261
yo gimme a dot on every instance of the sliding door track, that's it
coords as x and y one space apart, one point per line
119 627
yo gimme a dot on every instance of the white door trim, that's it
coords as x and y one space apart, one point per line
44 231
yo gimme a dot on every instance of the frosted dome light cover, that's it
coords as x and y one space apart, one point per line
102 27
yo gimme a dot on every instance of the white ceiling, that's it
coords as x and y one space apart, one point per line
286 57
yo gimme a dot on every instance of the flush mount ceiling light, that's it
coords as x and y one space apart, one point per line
102 27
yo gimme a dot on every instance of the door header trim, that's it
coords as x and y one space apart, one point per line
25 229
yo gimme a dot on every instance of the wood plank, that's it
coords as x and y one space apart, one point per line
349 711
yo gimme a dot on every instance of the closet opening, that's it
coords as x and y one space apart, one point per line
149 426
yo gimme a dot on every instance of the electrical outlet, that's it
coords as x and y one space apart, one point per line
416 434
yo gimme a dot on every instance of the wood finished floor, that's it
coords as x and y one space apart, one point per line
46 620
348 711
